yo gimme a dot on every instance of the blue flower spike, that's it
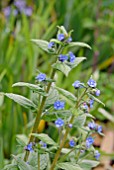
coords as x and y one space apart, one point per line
62 57
72 143
89 141
97 155
61 37
72 57
59 105
92 83
59 123
41 77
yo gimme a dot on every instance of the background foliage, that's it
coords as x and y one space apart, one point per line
93 23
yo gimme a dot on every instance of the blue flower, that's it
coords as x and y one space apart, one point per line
97 93
99 129
28 11
85 107
41 77
76 84
69 39
50 45
29 147
92 83
97 155
43 144
89 141
70 125
62 57
59 123
7 11
72 57
72 143
92 125
20 4
91 102
58 105
60 37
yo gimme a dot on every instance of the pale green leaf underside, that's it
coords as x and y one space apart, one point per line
69 166
78 44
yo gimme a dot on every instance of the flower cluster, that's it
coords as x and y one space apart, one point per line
19 6
95 127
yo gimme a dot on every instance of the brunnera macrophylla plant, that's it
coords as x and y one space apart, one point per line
73 148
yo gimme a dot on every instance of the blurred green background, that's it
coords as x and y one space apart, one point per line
92 22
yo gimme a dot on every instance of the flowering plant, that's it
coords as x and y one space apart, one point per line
68 113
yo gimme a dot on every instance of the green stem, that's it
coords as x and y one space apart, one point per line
61 145
37 120
38 161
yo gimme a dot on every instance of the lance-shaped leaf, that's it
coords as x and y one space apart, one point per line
43 45
21 100
67 94
88 164
63 114
45 138
78 44
23 165
35 88
69 165
96 99
66 67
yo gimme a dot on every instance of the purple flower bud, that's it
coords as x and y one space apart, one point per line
92 83
92 125
60 37
72 143
62 57
41 77
59 123
72 57
76 84
97 155
97 93
69 39
70 125
99 129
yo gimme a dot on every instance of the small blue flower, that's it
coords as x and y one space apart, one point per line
72 143
89 141
41 77
92 125
76 84
28 11
29 147
43 144
97 93
59 123
91 102
92 83
60 37
99 129
51 45
70 125
72 57
58 105
62 57
69 39
20 4
7 11
97 155
85 106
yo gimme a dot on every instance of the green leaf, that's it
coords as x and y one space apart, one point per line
22 139
35 88
43 45
1 153
68 166
106 114
79 121
78 44
45 138
67 94
23 165
94 98
52 97
88 164
21 100
63 114
77 61
63 67
11 167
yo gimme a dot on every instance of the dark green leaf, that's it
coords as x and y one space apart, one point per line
45 138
